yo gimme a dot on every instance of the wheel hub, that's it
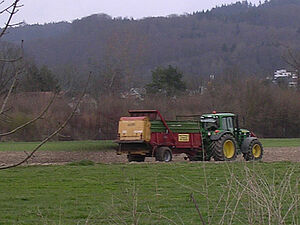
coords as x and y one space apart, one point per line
228 149
256 151
167 156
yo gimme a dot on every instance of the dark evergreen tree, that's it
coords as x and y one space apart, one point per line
36 79
167 81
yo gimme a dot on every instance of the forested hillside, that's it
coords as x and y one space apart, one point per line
249 39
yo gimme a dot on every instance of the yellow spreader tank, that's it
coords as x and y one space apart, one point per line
134 129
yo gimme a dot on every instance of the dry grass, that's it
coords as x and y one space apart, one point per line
247 197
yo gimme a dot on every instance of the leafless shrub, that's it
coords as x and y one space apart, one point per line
254 198
271 201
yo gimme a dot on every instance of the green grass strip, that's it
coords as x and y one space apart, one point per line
280 142
110 145
108 194
59 146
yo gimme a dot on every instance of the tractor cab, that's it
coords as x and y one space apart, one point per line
210 124
216 124
219 122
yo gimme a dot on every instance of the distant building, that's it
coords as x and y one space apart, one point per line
134 93
284 77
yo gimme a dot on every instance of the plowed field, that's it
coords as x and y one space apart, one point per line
50 157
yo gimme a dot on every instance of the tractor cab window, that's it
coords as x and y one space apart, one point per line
209 124
224 123
227 123
230 123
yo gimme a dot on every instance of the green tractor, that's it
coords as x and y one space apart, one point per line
224 140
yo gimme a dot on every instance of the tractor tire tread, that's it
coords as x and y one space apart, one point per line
217 148
249 155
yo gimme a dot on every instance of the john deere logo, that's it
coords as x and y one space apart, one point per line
183 137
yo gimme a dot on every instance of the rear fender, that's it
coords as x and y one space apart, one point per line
246 143
217 136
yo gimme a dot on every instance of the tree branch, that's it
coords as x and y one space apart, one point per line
13 85
14 10
7 8
30 121
198 210
14 82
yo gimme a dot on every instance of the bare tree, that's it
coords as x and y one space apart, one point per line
10 11
62 126
9 81
292 58
9 78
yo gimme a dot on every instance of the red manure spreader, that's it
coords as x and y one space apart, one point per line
145 133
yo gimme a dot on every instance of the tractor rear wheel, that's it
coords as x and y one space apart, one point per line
136 158
255 151
163 154
224 149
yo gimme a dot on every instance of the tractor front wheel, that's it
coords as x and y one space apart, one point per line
163 154
224 149
255 151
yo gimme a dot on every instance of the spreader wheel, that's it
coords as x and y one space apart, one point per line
224 149
163 154
255 151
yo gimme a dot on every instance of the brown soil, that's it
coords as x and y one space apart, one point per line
45 158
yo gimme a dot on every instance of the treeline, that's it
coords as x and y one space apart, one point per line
124 51
267 110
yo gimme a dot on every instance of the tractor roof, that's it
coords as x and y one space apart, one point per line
218 114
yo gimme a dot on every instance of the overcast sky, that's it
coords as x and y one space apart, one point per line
45 11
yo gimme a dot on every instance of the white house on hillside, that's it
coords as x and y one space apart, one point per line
285 77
